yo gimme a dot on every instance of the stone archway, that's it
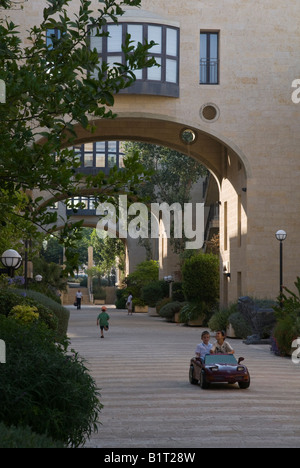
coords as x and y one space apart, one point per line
225 161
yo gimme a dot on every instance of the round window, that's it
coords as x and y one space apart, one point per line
209 112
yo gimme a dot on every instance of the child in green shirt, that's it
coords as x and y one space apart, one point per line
102 320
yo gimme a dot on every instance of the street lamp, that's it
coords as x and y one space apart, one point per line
169 279
280 236
38 278
11 260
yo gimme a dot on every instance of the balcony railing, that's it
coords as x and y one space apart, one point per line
209 71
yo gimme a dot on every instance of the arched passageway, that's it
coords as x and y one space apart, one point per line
227 164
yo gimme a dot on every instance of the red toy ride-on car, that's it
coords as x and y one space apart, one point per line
219 368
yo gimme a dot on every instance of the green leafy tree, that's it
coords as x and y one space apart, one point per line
201 278
172 177
49 90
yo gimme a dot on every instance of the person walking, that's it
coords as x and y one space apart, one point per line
78 299
102 320
129 304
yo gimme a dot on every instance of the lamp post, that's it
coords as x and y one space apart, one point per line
280 236
11 260
38 278
169 279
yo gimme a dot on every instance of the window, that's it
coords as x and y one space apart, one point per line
99 155
209 58
162 80
52 35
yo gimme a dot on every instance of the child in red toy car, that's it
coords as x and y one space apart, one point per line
221 346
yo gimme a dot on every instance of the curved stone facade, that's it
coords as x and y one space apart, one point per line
245 124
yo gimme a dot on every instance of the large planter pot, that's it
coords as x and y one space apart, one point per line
230 333
141 309
152 312
176 317
99 301
196 322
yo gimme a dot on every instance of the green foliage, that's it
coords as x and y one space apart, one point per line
195 310
177 292
173 176
154 292
220 318
9 299
49 91
53 278
24 314
19 437
288 319
162 303
201 278
145 273
43 388
121 300
241 328
41 302
169 310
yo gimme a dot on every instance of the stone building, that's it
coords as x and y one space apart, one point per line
225 81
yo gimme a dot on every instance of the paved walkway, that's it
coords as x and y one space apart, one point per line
142 369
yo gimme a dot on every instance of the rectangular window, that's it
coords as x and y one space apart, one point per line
52 35
96 41
114 40
88 160
155 34
225 226
209 58
239 220
100 160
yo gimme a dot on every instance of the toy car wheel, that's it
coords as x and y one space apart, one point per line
203 382
191 376
244 385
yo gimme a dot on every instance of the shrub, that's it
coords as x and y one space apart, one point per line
241 328
285 333
122 295
195 310
154 292
220 319
177 292
24 314
145 273
162 303
44 388
58 310
287 326
19 437
169 310
201 278
10 298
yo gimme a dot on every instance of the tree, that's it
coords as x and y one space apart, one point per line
201 278
49 90
107 252
172 176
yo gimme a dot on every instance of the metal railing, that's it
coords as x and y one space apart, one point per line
209 71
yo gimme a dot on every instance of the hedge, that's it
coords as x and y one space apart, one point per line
43 388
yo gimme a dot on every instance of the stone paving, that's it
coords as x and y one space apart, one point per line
142 368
